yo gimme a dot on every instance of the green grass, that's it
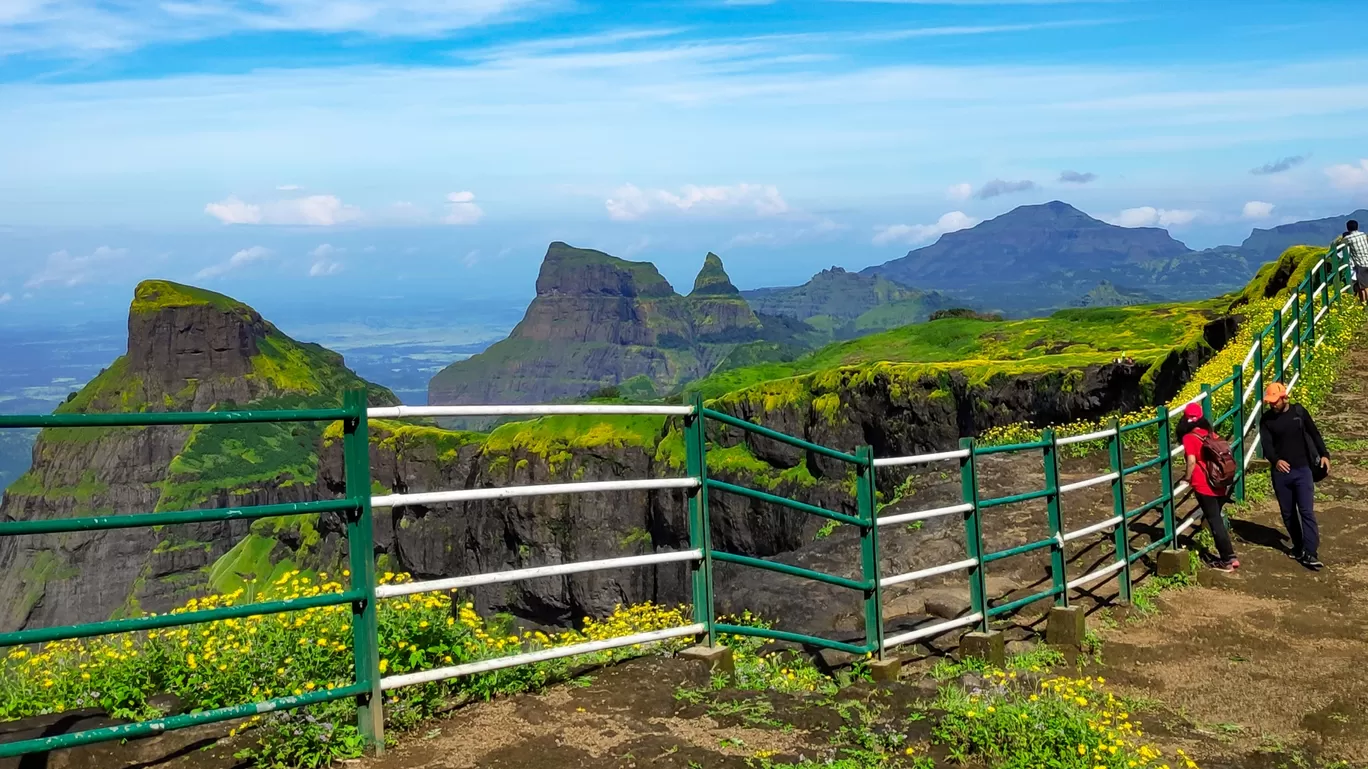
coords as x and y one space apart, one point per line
157 295
1069 339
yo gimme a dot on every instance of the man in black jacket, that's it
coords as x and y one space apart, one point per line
1291 444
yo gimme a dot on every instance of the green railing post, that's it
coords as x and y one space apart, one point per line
1278 372
1329 278
973 533
1301 329
1208 410
1122 533
1058 576
866 500
361 556
1237 433
1166 470
1338 281
1310 339
700 523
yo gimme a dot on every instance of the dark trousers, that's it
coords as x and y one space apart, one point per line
1296 491
1211 510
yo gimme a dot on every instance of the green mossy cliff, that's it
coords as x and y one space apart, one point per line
188 350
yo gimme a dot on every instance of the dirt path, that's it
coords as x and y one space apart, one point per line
1274 657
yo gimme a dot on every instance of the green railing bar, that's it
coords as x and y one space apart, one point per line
105 522
1020 602
1223 382
1147 464
1033 445
48 634
1143 424
1018 550
1148 506
866 500
157 726
794 571
152 418
1227 415
700 526
732 488
365 626
781 437
1147 549
782 635
1023 497
1055 513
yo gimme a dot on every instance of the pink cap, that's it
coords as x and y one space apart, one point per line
1193 411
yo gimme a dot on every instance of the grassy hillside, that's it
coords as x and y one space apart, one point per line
1067 339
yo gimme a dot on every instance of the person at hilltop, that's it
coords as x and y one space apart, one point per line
1293 446
1196 432
1356 243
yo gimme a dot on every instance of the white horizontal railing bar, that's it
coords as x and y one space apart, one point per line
1076 485
1320 339
931 630
1324 309
1189 523
1084 438
1250 422
1290 355
554 570
1290 300
1176 410
509 492
1110 523
1290 330
1179 490
484 666
399 412
1249 358
1293 381
1097 575
912 576
1253 447
923 515
919 459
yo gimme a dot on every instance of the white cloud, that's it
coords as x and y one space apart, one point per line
471 258
241 258
961 191
6 298
461 209
1257 209
67 270
323 261
289 187
630 202
920 233
1149 216
311 210
817 229
1348 176
118 25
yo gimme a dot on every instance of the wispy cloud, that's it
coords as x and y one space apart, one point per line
75 26
461 209
6 298
630 202
1278 166
1074 177
1149 216
313 210
999 187
1349 176
237 261
912 234
324 261
66 269
961 191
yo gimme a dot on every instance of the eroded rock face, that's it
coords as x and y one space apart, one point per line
172 346
598 321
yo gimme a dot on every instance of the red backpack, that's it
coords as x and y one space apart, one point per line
1218 462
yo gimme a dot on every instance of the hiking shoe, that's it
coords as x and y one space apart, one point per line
1225 566
1312 562
1233 563
1296 555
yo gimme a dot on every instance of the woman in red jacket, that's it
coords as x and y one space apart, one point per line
1193 427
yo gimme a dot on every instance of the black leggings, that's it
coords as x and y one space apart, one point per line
1211 510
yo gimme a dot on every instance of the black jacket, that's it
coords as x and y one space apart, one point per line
1284 436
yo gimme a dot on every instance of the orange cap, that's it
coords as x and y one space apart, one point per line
1274 392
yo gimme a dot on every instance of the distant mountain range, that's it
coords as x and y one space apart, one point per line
604 325
1038 258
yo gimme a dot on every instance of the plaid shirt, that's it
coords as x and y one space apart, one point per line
1356 243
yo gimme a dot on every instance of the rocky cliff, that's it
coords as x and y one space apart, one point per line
598 321
188 350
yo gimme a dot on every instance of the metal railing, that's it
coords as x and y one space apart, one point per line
1323 286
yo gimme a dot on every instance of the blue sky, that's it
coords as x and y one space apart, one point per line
433 147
